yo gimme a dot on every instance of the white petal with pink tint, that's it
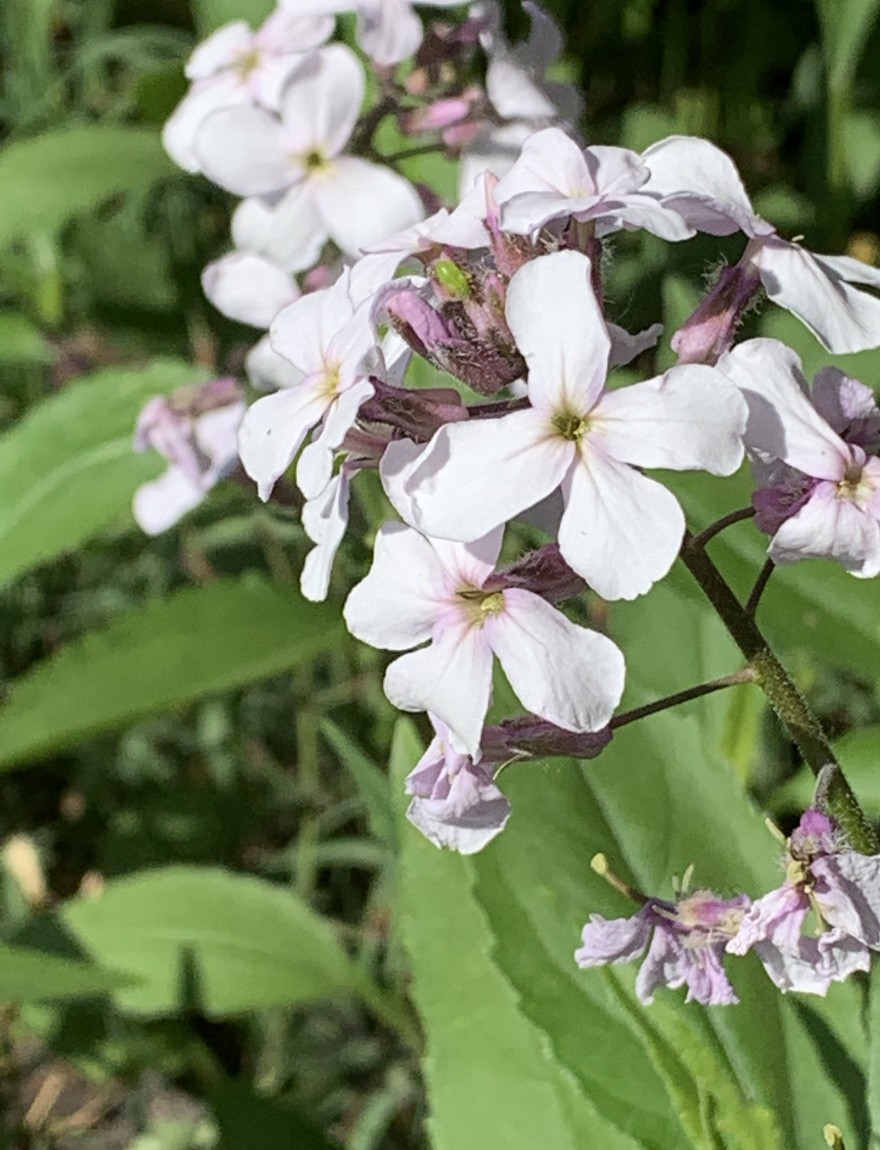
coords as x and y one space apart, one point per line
322 102
828 527
564 673
324 520
272 433
204 97
245 150
361 202
161 502
249 288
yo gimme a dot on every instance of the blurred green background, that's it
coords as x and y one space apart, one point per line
180 731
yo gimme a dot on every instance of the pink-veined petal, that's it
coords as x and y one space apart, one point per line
828 527
470 564
273 430
690 419
361 203
249 288
614 940
397 604
452 678
783 424
815 290
476 475
620 530
244 150
322 101
557 324
848 894
567 674
473 814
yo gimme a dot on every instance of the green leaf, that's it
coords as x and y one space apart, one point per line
46 181
493 1078
845 29
246 1121
68 469
197 642
213 14
28 975
209 940
21 341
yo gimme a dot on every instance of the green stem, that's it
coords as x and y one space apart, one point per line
783 695
746 675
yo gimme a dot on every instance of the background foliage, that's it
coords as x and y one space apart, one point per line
276 959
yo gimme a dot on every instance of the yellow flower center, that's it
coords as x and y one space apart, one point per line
482 604
571 426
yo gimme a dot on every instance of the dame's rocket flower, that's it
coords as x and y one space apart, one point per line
620 530
424 590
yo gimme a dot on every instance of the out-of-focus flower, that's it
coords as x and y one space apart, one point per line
387 30
249 151
238 66
840 888
620 530
820 493
422 590
684 940
196 431
700 182
248 288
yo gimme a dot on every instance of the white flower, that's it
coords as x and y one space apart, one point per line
327 194
420 589
387 30
620 530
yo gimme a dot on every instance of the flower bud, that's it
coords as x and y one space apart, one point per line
709 332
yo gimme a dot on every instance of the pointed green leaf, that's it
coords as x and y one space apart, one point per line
28 975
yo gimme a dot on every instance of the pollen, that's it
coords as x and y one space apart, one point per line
481 605
570 426
854 486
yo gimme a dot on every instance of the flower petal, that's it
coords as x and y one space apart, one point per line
452 678
620 530
558 328
248 288
315 465
398 603
244 149
291 233
361 203
159 504
324 520
322 101
476 475
474 812
689 419
203 98
614 940
389 32
567 674
272 432
828 527
783 424
816 290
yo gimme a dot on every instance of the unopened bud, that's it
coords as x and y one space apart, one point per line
709 332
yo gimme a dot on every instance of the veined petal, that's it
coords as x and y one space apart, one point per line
689 419
642 211
272 432
470 564
567 674
315 465
816 290
848 894
620 530
783 424
244 150
304 329
406 590
558 327
614 940
828 527
361 203
452 678
550 161
249 288
473 814
474 476
321 103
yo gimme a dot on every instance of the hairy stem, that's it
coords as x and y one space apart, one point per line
783 695
746 675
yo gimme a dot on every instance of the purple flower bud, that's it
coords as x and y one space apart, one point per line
709 332
543 571
785 493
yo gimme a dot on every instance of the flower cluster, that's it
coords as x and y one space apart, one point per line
354 272
686 939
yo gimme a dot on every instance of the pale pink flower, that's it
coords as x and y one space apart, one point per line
249 151
684 941
620 530
248 288
238 66
822 493
701 182
554 178
195 430
840 889
420 590
455 803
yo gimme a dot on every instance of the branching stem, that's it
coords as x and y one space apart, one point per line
746 675
758 590
783 695
720 524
